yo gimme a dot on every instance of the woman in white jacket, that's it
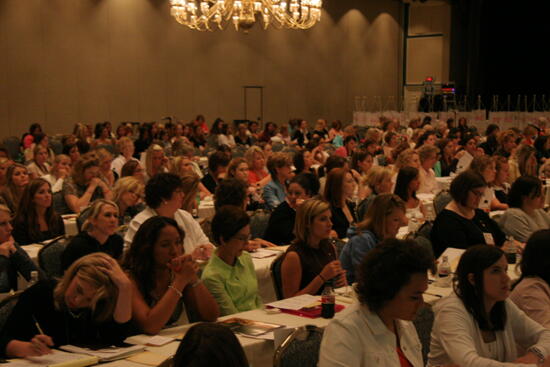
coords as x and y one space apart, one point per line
478 326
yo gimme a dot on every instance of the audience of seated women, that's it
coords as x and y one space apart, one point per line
477 325
98 234
89 305
229 275
526 214
164 196
531 292
17 178
408 182
39 165
279 167
382 221
378 330
311 260
84 185
164 280
13 259
36 219
339 191
281 222
462 224
127 195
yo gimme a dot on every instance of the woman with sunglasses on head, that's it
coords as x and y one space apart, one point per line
478 326
164 280
229 275
89 305
462 224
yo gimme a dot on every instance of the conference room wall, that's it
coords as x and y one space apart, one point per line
68 61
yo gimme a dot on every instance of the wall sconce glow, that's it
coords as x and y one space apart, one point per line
210 15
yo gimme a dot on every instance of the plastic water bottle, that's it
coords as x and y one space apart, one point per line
510 250
444 273
328 300
34 278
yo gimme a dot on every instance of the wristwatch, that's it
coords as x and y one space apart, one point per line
536 351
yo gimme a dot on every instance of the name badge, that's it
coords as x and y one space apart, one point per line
489 240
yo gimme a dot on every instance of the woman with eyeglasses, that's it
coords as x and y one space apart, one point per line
462 224
229 275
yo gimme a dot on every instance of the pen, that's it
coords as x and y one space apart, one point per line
37 325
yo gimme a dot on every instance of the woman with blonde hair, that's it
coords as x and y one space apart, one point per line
311 260
190 186
382 221
378 181
60 170
257 171
39 166
90 305
36 219
183 165
105 161
84 184
523 163
97 235
127 194
126 148
17 178
155 161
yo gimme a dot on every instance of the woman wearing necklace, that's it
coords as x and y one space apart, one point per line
461 224
311 259
163 279
90 305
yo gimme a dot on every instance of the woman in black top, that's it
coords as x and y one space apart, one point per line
311 260
36 220
90 305
281 222
461 224
98 234
339 190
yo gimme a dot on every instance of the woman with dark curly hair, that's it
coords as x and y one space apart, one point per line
378 330
163 278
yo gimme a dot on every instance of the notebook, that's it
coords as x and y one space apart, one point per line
106 354
56 359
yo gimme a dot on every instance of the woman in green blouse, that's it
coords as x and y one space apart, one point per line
229 275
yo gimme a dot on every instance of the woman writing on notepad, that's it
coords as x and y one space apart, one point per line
90 305
311 261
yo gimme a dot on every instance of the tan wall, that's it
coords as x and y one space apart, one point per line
64 61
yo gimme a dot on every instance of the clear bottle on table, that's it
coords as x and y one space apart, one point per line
510 250
444 273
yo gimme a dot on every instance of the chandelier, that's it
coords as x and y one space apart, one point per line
209 15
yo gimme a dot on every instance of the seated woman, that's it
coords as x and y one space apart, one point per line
339 191
127 195
238 168
281 222
134 169
526 214
361 163
13 259
163 279
378 181
500 184
210 344
531 293
311 261
36 219
408 182
485 167
229 275
182 165
428 155
126 148
60 170
155 161
84 185
98 234
279 166
477 325
39 166
164 196
105 172
17 178
382 221
378 330
461 224
303 160
90 305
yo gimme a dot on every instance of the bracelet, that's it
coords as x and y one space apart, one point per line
323 279
175 290
536 351
195 284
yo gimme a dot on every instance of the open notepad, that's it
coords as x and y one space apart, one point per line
106 354
56 359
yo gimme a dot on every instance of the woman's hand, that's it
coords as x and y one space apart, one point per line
202 252
8 248
332 270
185 271
38 346
115 272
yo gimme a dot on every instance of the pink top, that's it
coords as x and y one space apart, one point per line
254 178
341 152
532 296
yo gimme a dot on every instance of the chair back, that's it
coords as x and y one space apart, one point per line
258 223
300 348
275 270
59 204
441 200
49 257
6 306
82 216
423 323
422 236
